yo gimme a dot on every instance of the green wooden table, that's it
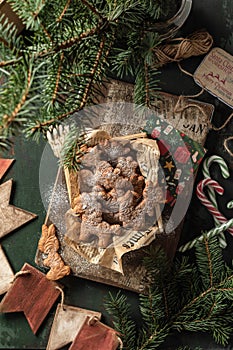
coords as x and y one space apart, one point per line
20 246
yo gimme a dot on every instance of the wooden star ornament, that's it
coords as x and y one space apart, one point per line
5 165
11 217
6 273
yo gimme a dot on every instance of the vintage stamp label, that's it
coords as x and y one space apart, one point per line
215 74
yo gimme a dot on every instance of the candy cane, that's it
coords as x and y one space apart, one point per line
225 173
220 161
215 231
205 201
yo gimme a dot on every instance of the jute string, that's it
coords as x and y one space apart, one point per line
20 273
177 49
181 110
225 145
62 296
93 320
120 343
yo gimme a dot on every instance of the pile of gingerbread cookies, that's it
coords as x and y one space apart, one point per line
113 196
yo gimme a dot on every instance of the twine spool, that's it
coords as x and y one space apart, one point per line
177 49
196 44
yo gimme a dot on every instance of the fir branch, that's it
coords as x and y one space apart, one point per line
71 41
208 254
8 119
29 12
75 41
73 149
8 35
155 339
205 241
123 323
92 73
10 62
91 79
206 307
5 143
46 33
93 9
58 77
147 95
59 19
43 126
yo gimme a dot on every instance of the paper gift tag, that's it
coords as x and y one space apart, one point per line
6 273
215 74
31 293
67 323
95 336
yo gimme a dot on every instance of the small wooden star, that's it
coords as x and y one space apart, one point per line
169 165
4 166
6 273
11 217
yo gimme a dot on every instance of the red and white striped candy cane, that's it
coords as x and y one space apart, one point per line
205 201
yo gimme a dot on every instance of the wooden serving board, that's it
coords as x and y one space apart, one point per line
135 277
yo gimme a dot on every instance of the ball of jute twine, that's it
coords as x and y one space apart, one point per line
177 49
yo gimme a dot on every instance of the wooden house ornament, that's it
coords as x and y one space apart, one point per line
96 336
67 323
31 293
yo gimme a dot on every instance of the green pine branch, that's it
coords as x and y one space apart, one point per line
183 296
119 309
68 48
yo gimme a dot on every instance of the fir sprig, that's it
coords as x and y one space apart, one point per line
184 296
123 323
58 65
72 150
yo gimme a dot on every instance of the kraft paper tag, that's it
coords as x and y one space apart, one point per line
215 74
